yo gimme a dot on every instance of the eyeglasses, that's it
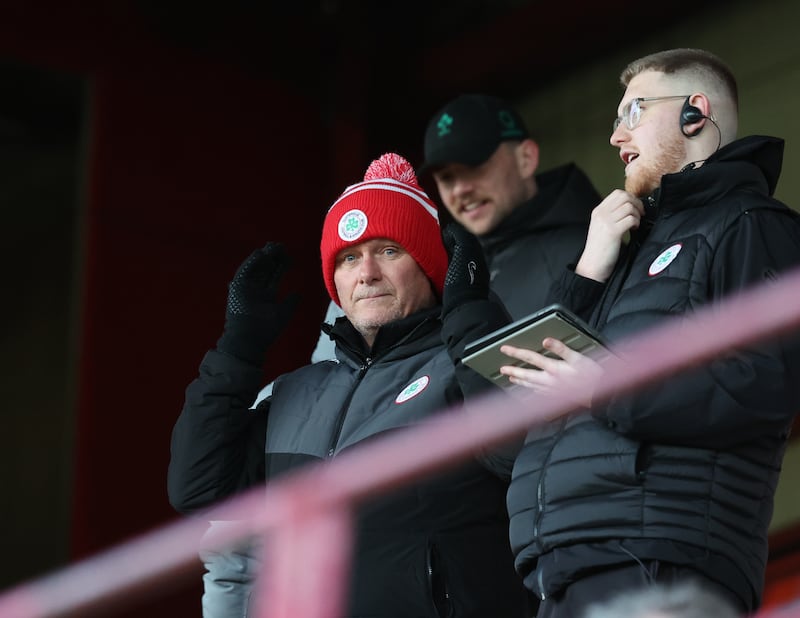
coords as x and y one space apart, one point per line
632 111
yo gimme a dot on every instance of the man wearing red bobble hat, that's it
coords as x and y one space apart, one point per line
436 548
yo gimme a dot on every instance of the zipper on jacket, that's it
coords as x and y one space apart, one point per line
362 370
540 583
540 502
437 582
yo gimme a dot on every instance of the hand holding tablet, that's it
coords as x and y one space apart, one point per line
556 321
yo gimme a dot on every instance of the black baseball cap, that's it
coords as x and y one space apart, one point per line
469 129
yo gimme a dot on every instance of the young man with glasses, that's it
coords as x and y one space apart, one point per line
676 482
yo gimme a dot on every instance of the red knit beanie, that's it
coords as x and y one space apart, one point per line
388 204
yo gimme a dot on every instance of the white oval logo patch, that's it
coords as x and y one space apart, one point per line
413 389
352 225
664 260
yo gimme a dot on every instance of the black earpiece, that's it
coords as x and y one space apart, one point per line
690 114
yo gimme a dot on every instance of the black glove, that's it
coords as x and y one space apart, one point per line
467 274
254 316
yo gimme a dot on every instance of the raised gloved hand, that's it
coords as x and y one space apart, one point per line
467 274
254 315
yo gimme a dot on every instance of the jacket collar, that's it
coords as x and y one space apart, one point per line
389 336
753 163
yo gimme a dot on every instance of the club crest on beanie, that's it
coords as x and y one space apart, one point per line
388 203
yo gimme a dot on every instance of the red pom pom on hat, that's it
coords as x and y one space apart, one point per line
391 165
389 203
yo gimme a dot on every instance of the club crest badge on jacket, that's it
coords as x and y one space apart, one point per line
413 389
664 260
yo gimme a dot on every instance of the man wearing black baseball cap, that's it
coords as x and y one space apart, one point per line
469 129
481 156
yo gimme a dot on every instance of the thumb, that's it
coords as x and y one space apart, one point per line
450 238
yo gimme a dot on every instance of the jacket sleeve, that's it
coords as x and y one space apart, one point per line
575 292
465 324
229 577
217 446
745 393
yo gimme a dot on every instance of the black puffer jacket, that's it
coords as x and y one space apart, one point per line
530 248
437 548
685 471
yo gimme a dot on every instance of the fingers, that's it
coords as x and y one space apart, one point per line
565 369
273 248
616 215
620 211
542 362
532 377
275 253
454 236
263 270
449 239
273 256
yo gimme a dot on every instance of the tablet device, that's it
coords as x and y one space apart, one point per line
484 356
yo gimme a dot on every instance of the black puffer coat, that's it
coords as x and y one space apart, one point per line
530 248
436 548
685 471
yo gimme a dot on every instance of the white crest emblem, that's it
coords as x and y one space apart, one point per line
413 389
352 225
664 260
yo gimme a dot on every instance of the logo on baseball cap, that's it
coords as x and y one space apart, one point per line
469 129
